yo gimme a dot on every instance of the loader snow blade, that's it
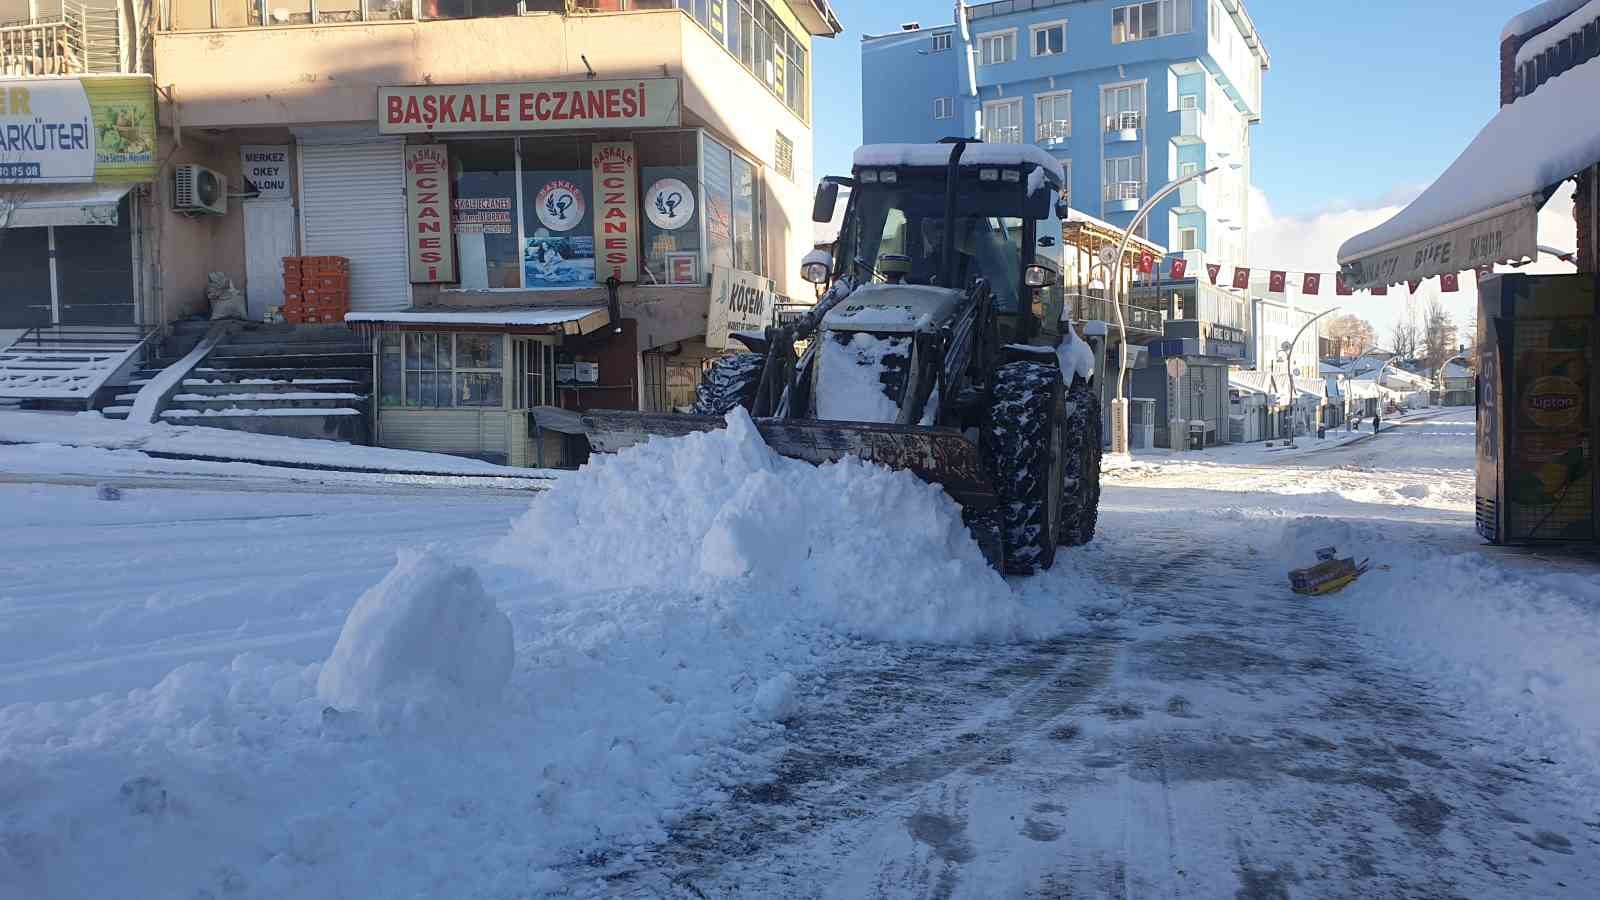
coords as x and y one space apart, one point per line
941 457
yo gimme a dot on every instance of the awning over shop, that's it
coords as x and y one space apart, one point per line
38 205
1484 208
567 320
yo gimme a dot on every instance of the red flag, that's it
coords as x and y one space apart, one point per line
1147 262
1180 267
1340 288
1484 272
1381 290
1414 284
1450 282
1277 282
1213 269
1241 278
1312 283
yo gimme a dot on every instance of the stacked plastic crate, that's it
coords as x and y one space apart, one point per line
316 289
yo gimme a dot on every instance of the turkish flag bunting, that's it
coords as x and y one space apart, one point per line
1381 290
1340 288
1180 267
1213 269
1312 283
1450 282
1241 278
1147 262
1278 282
1414 284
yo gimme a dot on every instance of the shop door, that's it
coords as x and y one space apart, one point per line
353 204
94 271
268 238
25 288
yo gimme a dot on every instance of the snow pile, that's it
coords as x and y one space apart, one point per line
850 378
1571 26
426 635
848 545
1540 14
1075 355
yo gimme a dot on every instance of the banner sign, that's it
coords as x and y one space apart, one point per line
529 106
616 206
1506 237
431 248
740 301
66 130
267 170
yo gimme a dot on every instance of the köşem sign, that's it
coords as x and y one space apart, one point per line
616 212
529 106
432 249
65 130
740 301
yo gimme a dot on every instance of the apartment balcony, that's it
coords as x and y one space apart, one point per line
1124 196
1140 320
1054 134
1008 135
1191 127
1124 127
1196 196
81 40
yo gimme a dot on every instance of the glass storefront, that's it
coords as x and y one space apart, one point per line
91 282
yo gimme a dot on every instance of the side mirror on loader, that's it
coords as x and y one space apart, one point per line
827 198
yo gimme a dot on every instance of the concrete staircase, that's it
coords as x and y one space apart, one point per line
309 381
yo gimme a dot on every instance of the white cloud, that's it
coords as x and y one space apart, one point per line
1311 244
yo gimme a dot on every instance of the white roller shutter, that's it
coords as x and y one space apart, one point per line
352 203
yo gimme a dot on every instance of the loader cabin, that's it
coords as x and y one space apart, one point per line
1002 199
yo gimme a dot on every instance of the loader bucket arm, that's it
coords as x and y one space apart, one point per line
938 456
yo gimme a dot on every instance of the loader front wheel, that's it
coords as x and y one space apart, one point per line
1080 494
730 381
1026 454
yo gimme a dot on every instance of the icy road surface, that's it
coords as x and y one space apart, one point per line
1188 728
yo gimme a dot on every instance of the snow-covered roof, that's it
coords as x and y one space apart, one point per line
1552 36
1496 185
1453 369
525 316
1539 14
974 155
1079 217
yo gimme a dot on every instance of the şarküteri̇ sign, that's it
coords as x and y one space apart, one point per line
78 129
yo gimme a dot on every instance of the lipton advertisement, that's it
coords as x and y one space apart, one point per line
1550 479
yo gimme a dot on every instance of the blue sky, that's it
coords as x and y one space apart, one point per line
1365 103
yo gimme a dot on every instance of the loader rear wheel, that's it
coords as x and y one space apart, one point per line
1026 455
730 381
1080 494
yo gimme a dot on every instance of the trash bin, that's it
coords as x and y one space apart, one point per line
1322 432
1197 435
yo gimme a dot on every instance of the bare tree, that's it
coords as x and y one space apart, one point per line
1352 334
1406 336
1438 335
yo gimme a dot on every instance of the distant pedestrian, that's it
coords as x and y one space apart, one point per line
1376 418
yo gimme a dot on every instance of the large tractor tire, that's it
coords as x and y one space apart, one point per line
730 381
1080 492
1026 456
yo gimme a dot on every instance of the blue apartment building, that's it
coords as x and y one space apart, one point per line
1128 95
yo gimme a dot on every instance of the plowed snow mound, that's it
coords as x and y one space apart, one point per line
848 545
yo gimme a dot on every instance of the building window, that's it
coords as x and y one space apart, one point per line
943 107
1125 178
1143 21
1188 101
1215 16
485 213
200 15
1002 121
783 156
941 41
558 204
1188 239
1052 116
1124 107
428 370
997 47
1048 39
733 209
669 226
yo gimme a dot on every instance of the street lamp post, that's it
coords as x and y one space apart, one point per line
1288 360
1119 405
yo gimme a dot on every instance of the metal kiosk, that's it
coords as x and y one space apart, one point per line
1538 337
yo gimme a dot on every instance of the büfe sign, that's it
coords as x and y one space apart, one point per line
616 212
531 106
431 248
740 301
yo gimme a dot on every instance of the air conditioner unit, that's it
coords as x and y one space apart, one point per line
200 190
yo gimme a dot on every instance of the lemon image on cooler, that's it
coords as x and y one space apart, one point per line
1553 476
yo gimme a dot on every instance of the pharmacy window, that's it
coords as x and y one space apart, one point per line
433 370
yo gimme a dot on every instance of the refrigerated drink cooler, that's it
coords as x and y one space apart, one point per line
1537 342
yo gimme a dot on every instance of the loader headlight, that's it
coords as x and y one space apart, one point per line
1011 175
889 176
1038 276
814 272
988 174
868 176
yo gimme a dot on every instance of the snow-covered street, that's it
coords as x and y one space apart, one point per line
712 698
